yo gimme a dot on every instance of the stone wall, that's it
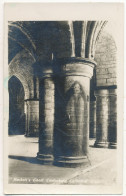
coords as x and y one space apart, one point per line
106 84
105 56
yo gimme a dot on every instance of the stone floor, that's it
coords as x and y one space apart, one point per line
24 167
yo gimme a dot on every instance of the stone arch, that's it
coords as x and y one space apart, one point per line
24 84
16 106
63 45
21 66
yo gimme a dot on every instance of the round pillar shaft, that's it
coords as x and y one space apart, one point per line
112 119
93 119
32 118
102 109
71 133
46 117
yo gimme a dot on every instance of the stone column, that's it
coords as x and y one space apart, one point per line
71 134
112 129
102 110
46 117
92 119
32 117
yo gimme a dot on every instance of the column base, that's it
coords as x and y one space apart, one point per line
113 145
45 159
101 144
92 137
71 161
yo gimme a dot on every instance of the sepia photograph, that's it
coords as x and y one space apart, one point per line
62 81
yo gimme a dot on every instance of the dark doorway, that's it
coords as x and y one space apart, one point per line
16 107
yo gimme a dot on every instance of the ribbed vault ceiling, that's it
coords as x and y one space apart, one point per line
60 38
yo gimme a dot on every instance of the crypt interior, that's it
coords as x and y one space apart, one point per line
63 87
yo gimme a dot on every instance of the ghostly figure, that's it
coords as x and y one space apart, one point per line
75 108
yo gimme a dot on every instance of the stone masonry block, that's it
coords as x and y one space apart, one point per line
112 80
104 76
102 71
101 82
111 70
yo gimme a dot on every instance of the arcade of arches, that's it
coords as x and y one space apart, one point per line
62 87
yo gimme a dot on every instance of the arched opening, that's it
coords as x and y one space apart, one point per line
16 107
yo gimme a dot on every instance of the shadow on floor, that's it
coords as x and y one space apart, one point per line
92 146
31 142
32 160
111 148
